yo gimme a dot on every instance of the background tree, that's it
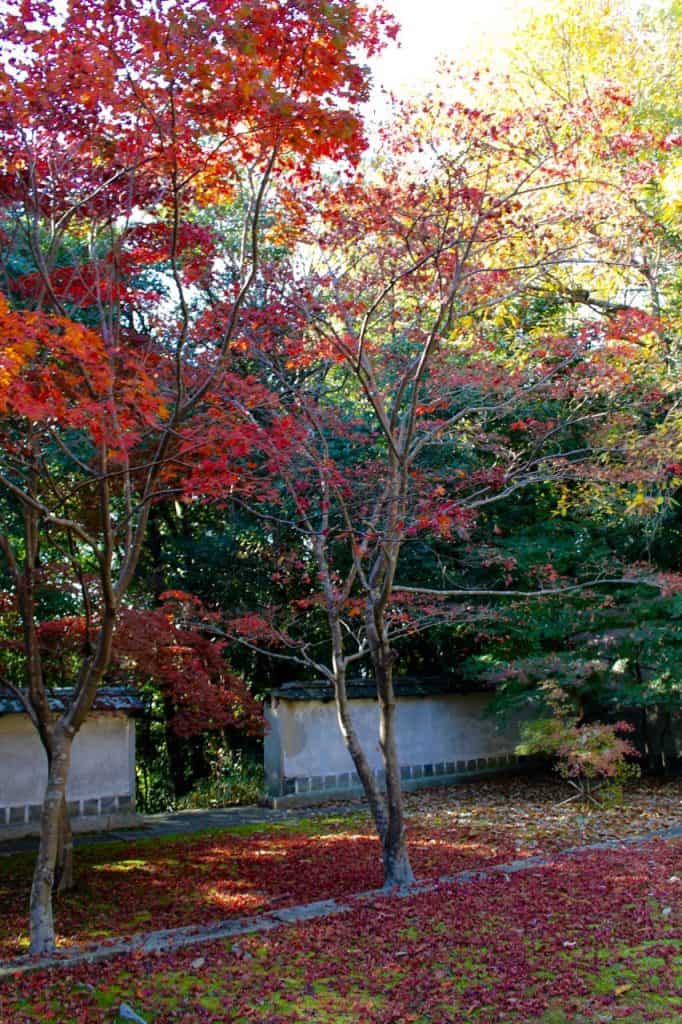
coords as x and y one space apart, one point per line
120 130
566 52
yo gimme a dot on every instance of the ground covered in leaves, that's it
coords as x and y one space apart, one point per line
124 888
591 938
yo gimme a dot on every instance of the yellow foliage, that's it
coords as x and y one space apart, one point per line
671 188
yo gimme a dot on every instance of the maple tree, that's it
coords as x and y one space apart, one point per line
567 51
619 652
153 646
407 411
587 755
127 137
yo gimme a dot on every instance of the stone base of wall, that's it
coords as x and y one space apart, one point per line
101 814
102 823
300 792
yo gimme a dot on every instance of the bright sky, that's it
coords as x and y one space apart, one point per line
431 28
451 28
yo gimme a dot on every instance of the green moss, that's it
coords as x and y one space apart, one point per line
134 864
212 1003
106 997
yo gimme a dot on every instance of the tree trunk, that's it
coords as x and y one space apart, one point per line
41 916
387 811
397 867
396 859
388 815
398 871
354 748
63 871
63 868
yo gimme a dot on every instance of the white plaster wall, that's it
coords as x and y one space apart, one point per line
429 730
101 765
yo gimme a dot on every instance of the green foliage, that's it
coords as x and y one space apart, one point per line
234 780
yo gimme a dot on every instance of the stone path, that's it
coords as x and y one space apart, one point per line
177 822
175 938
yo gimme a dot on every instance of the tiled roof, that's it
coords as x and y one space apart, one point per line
109 698
404 686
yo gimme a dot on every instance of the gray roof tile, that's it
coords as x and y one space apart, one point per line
109 698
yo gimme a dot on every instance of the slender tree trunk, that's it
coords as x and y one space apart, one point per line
63 872
397 867
386 810
63 869
41 915
396 859
376 803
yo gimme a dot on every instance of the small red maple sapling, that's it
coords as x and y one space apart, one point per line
588 755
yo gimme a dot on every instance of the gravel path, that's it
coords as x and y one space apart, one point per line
178 822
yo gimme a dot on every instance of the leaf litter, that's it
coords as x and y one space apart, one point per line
125 888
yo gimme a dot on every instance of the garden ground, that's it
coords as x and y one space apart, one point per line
589 938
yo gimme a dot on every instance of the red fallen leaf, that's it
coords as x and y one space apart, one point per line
205 878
